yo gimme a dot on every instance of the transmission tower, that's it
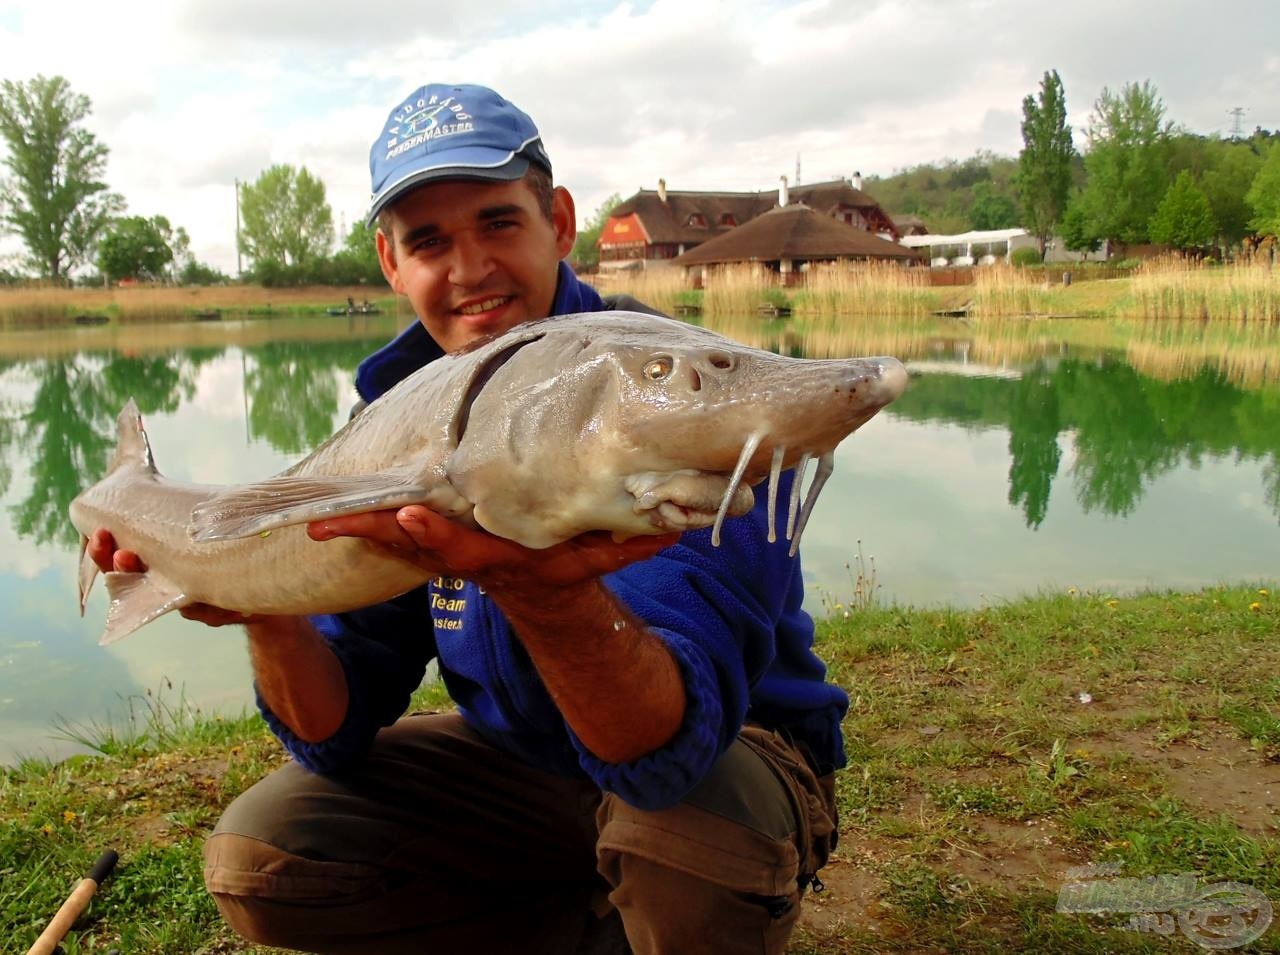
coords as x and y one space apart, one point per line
1237 116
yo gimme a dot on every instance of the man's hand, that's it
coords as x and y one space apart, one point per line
418 534
547 595
294 670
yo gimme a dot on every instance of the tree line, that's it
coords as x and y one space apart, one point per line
55 200
1139 178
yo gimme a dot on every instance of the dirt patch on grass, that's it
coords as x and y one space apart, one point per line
1213 772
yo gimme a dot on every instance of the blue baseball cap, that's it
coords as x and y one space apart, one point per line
442 131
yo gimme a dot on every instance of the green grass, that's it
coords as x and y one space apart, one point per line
976 777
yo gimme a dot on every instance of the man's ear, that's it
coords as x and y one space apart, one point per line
387 259
565 220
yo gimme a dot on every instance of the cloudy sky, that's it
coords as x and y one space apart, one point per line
190 95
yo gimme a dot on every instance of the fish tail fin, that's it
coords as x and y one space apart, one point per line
88 572
133 449
137 599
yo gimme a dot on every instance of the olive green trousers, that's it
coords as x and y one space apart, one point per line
440 842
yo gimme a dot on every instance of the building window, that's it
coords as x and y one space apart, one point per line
728 220
696 220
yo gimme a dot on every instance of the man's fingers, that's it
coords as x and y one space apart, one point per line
378 526
102 551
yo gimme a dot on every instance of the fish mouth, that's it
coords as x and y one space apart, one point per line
689 500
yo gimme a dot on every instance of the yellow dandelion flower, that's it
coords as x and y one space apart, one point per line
1113 603
1263 592
47 829
1255 606
68 816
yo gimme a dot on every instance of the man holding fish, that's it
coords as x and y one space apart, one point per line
644 740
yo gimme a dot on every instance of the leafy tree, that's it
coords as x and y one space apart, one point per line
1184 218
1264 196
197 273
991 210
1044 165
286 222
356 263
54 199
586 251
138 248
943 194
1077 228
1225 182
1125 166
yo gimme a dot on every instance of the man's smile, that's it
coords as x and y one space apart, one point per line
488 304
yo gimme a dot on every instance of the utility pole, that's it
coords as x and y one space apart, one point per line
239 268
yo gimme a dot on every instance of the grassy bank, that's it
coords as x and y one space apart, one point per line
989 751
27 305
1161 289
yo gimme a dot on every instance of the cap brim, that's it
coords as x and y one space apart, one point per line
489 165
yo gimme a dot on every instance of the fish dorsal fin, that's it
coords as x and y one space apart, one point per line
133 449
137 599
281 501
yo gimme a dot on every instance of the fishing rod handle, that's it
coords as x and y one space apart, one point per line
75 904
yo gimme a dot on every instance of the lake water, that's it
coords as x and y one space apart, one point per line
1022 458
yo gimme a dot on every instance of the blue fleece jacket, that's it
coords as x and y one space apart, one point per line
731 616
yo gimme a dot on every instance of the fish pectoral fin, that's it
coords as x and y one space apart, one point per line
282 501
137 599
88 572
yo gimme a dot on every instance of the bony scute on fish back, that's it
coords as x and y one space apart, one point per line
611 421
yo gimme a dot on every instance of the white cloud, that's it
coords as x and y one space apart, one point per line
704 93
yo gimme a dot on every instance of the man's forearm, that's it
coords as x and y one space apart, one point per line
299 677
614 680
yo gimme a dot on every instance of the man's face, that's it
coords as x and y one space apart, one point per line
476 258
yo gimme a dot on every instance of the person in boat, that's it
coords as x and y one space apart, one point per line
644 743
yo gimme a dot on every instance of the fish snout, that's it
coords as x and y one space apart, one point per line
871 383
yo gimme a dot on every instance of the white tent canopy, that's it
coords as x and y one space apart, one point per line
997 242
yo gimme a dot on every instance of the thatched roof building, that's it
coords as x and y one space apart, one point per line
653 227
789 235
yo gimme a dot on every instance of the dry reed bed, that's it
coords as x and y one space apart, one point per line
854 288
35 303
872 288
1179 288
147 337
1004 291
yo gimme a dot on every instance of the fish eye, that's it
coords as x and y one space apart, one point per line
658 367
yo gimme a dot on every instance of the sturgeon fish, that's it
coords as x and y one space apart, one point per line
614 421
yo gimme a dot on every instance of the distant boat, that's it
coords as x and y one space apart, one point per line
209 315
91 319
364 308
